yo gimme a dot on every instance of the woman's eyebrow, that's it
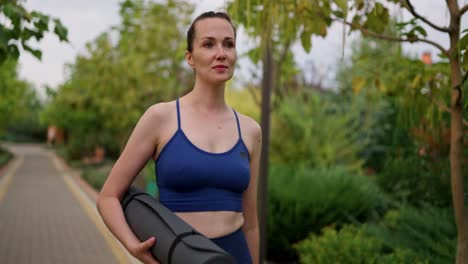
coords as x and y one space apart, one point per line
213 38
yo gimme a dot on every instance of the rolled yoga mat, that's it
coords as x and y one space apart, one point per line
176 241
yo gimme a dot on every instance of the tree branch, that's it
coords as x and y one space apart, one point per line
407 4
445 108
381 36
394 38
463 10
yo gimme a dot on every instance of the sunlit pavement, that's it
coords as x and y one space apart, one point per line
46 218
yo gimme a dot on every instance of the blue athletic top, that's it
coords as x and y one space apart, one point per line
193 180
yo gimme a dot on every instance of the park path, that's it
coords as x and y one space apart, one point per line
46 218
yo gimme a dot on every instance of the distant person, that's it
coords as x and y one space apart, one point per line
206 154
51 135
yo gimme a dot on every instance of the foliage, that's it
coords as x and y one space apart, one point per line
417 179
270 21
351 245
19 26
320 130
26 126
95 176
410 145
110 87
243 101
428 231
405 235
304 200
15 95
5 156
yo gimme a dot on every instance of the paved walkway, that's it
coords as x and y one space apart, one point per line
46 218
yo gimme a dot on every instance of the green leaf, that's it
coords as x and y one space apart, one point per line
4 37
42 23
442 56
306 40
28 33
338 13
378 18
60 30
13 51
342 4
35 52
421 30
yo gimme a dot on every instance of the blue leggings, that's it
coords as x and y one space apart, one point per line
236 245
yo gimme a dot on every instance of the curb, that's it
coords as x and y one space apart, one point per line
76 175
6 165
92 194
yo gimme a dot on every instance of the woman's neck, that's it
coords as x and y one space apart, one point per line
207 97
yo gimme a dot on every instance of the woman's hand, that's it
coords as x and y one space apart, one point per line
141 251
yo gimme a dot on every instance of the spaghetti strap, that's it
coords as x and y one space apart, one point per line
238 124
178 114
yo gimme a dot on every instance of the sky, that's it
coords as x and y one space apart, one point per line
86 19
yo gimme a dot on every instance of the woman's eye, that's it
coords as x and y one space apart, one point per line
229 45
208 45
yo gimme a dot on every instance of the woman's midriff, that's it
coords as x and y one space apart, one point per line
213 224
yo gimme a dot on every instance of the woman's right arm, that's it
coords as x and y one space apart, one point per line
137 152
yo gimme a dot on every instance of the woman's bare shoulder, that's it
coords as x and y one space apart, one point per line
249 127
160 112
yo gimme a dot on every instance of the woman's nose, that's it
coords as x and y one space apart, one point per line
220 52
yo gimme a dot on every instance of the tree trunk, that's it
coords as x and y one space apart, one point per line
456 136
267 84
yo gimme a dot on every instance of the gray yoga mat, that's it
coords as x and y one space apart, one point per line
176 241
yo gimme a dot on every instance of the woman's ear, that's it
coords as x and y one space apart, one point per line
189 59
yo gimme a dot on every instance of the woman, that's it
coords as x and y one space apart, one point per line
206 154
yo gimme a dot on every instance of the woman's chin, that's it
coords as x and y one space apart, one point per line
219 79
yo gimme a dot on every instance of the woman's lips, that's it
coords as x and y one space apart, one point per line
220 68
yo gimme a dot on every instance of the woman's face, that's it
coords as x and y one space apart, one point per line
214 50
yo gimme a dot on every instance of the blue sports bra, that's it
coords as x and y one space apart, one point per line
193 180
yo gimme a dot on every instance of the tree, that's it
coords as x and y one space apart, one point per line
13 92
371 19
272 22
18 26
90 105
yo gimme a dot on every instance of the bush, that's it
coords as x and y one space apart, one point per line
96 175
304 200
5 156
416 180
427 231
350 245
320 131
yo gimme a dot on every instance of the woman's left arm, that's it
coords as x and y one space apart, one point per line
249 205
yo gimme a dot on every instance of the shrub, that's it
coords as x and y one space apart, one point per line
320 130
427 231
351 245
304 200
416 180
96 175
5 156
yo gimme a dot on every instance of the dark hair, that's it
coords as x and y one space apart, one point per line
210 14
